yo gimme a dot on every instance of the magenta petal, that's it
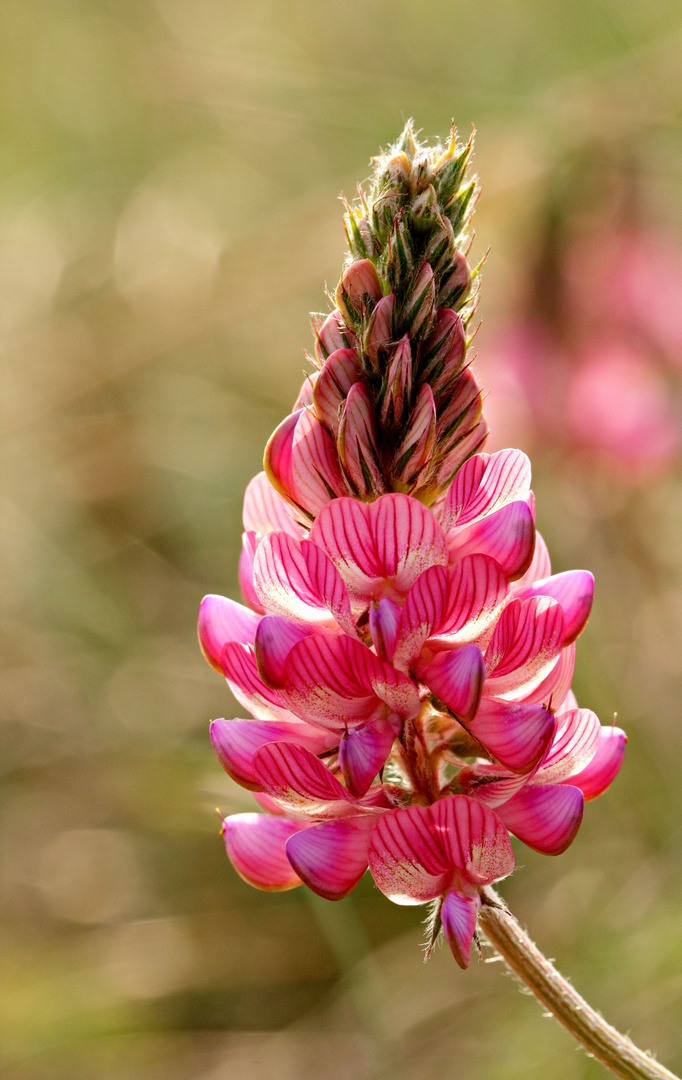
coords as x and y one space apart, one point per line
473 839
574 745
255 844
222 620
540 566
314 465
574 590
458 915
363 752
527 639
297 579
299 782
236 741
507 535
544 816
456 677
517 734
277 458
265 510
604 766
384 619
275 638
240 669
484 484
339 371
331 857
381 547
245 571
405 857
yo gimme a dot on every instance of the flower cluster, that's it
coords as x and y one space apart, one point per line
406 652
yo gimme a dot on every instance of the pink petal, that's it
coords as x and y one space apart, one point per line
245 571
332 334
363 752
473 839
596 777
277 459
574 745
450 607
484 484
314 465
456 677
525 644
222 620
295 578
508 535
380 548
405 857
336 681
545 817
384 618
540 566
339 372
275 638
240 669
556 685
574 590
299 782
332 857
458 915
490 784
517 734
265 510
357 443
236 741
255 844
305 394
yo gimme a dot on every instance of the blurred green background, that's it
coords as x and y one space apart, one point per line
169 174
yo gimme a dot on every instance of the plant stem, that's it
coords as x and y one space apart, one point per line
602 1041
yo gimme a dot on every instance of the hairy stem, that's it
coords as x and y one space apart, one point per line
602 1041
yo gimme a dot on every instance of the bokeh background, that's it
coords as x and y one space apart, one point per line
169 172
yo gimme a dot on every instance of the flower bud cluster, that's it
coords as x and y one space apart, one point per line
393 405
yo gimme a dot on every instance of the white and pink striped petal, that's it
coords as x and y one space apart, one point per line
524 646
299 782
222 620
485 483
296 579
507 535
574 590
602 770
236 741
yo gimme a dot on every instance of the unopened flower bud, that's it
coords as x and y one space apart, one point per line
419 307
357 443
415 449
358 291
442 353
332 334
456 281
379 333
339 371
400 263
397 387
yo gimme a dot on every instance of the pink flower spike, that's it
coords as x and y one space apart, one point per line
357 443
574 590
299 782
507 535
546 817
484 484
384 618
222 620
275 638
526 641
363 752
596 777
236 741
296 579
331 857
379 548
265 511
456 677
255 844
458 916
340 371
